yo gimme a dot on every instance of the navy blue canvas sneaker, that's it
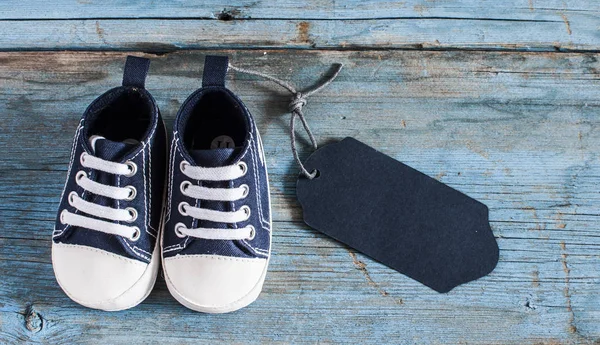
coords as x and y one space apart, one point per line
217 235
104 246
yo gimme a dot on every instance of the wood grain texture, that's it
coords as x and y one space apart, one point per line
518 131
554 25
309 9
162 35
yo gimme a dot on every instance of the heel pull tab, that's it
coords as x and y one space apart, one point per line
215 69
136 69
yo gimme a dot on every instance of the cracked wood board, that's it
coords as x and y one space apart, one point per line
531 10
579 33
415 24
518 131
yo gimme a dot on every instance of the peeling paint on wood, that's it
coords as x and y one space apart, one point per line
553 25
288 9
437 33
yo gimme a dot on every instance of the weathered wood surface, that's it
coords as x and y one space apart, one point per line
288 9
518 131
159 26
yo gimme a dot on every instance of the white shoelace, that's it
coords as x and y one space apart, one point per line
226 173
128 214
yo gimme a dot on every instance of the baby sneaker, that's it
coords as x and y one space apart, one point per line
104 249
217 236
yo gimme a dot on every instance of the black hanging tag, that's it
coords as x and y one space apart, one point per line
136 69
215 70
397 215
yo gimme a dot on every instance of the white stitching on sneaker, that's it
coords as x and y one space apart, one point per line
73 150
72 157
187 238
145 189
257 250
264 223
171 177
141 250
172 248
150 188
172 155
133 249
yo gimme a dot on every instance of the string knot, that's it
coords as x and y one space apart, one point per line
298 101
295 107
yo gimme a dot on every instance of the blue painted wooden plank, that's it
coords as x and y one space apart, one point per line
518 131
160 35
286 9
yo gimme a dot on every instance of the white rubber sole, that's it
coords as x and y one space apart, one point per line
132 296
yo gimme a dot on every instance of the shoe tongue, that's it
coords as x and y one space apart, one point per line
111 150
215 157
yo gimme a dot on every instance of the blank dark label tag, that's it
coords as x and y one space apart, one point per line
397 215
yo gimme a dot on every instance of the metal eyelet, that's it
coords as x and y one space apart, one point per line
82 158
132 193
246 190
132 168
136 234
243 167
80 174
252 233
134 214
182 206
184 186
62 216
183 165
246 210
71 198
178 232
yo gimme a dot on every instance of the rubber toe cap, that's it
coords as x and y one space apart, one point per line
213 283
95 278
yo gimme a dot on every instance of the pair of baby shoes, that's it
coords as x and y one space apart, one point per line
200 205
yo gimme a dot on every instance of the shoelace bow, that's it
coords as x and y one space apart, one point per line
299 100
126 193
